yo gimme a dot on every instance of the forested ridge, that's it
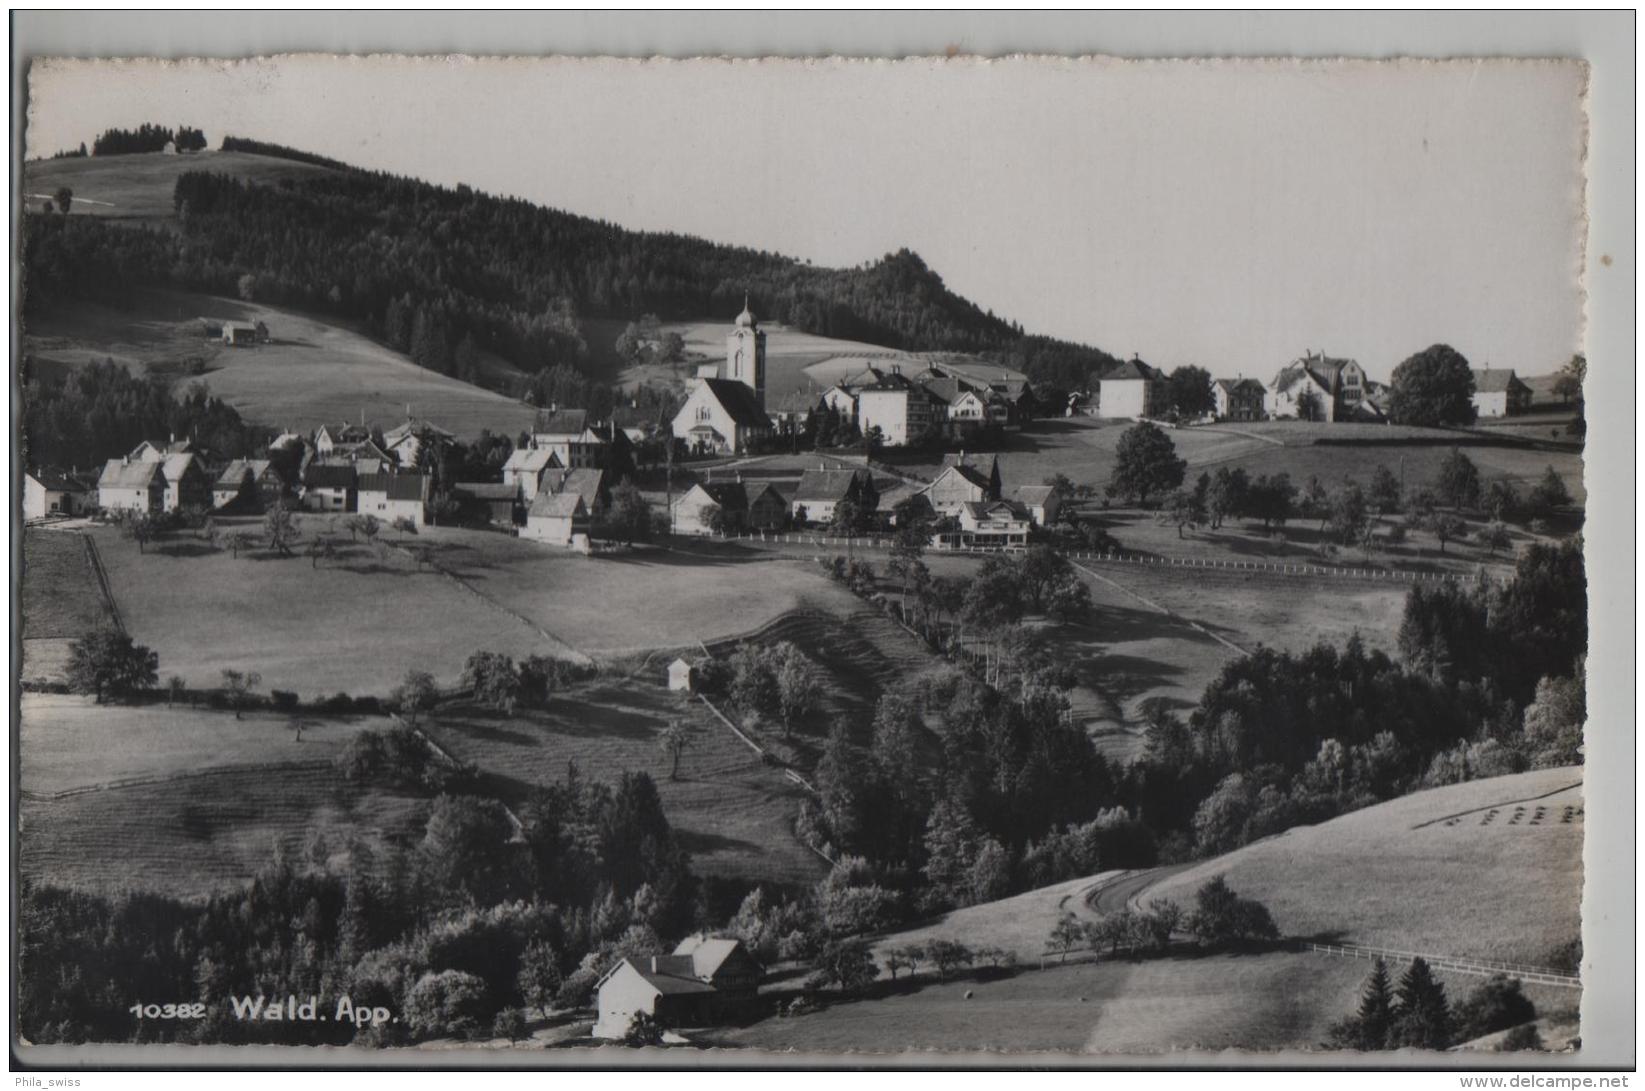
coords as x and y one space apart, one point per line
428 266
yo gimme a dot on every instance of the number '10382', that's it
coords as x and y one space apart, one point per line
168 1011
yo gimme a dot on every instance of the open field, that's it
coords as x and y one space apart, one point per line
735 815
67 742
355 624
140 187
60 596
316 370
1260 1002
193 836
614 604
1473 870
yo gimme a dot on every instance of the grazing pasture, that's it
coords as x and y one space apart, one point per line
315 371
354 624
1489 869
200 834
68 742
140 187
735 814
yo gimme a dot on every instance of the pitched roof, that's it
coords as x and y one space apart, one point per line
322 475
987 464
739 402
557 505
234 474
1292 375
396 486
1032 494
1131 371
587 482
759 494
415 427
829 484
531 460
669 975
970 473
707 953
730 495
1232 385
56 480
177 465
1494 380
563 422
121 473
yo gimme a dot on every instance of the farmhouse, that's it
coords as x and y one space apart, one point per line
900 408
1237 399
705 981
328 488
405 442
588 483
158 452
1039 502
128 485
365 456
711 506
47 492
186 483
525 469
820 491
394 496
1498 392
962 482
1318 387
841 401
767 509
328 437
1130 390
247 484
572 440
558 519
239 333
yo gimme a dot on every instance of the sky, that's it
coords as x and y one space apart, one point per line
1231 215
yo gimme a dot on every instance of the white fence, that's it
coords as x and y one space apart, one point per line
1541 975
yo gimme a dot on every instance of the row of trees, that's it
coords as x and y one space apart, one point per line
147 137
1417 1014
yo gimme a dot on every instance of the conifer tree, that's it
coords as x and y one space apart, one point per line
1424 1015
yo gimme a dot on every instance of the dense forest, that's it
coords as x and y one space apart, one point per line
148 138
431 269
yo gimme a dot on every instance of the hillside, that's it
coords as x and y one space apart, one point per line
314 371
1490 869
141 187
430 267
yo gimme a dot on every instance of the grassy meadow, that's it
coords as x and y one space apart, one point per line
315 371
59 593
140 187
1489 869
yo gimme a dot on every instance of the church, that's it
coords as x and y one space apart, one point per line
725 411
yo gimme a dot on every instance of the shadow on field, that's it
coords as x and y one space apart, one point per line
698 843
470 727
582 718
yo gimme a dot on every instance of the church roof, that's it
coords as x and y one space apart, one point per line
739 401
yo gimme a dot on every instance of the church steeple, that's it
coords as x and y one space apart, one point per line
745 353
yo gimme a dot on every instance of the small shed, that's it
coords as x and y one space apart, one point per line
681 675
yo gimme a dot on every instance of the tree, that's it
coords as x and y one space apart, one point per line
1349 514
1496 538
493 679
106 664
1182 509
1384 491
1457 482
1550 493
1502 501
1223 917
467 851
1554 721
798 691
1572 377
844 964
1161 921
1446 527
1367 1029
630 519
1189 391
237 687
247 286
948 955
138 527
1495 1004
405 525
539 979
904 956
237 541
1433 388
280 527
416 694
1146 463
674 741
322 547
643 1030
175 689
510 1023
1424 1019
1226 496
1067 934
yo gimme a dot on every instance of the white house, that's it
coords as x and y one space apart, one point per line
405 442
1319 387
900 408
704 982
129 485
1238 399
525 469
821 491
558 519
992 523
328 488
394 496
1498 392
47 492
1040 502
695 510
1130 390
574 442
681 675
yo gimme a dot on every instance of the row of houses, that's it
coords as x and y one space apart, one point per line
965 497
1314 386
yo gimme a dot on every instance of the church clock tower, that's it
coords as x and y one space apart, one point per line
745 353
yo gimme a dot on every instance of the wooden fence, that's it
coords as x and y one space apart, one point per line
1541 975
